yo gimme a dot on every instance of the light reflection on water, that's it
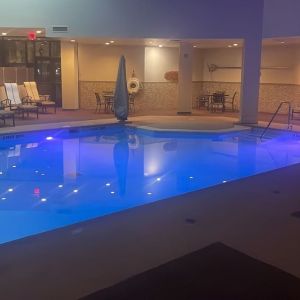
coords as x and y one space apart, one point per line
46 183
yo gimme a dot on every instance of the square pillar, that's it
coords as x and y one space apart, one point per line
250 81
69 75
185 76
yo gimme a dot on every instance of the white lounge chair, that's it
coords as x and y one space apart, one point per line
16 103
5 112
34 96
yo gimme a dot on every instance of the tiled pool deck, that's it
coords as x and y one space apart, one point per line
199 120
253 215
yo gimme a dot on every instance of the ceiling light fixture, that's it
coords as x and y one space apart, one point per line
107 43
4 33
229 46
39 31
72 41
111 42
160 46
235 45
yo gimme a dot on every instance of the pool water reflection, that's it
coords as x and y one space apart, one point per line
52 179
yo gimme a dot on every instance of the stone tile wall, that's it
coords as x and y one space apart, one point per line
157 96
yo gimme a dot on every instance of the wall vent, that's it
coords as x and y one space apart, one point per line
60 28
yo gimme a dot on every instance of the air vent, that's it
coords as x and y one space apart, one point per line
60 28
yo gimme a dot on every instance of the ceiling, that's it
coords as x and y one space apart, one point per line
202 44
20 32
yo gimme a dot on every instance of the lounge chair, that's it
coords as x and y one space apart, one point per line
5 112
16 104
35 98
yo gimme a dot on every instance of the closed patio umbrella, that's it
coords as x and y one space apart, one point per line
121 92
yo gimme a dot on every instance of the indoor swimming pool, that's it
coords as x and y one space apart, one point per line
51 179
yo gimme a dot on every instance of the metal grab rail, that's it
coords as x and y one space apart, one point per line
275 114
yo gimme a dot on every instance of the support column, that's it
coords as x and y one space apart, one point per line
185 76
69 75
250 81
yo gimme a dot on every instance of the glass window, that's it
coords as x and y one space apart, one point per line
43 70
42 49
15 52
55 49
30 52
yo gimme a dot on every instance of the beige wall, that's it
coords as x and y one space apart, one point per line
69 75
228 57
98 69
158 61
272 56
279 56
100 62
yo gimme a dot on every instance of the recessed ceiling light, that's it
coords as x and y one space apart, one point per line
60 186
39 31
112 192
229 46
10 190
111 42
75 191
49 138
107 184
3 198
149 193
43 199
107 43
282 42
4 33
72 41
235 45
160 46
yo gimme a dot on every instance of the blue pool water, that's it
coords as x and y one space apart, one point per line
55 178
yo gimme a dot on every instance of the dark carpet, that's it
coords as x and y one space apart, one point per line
215 272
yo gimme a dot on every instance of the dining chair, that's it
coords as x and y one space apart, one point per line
231 102
203 101
108 101
131 102
98 103
217 102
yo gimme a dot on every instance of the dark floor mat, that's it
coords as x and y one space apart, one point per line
215 272
296 214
